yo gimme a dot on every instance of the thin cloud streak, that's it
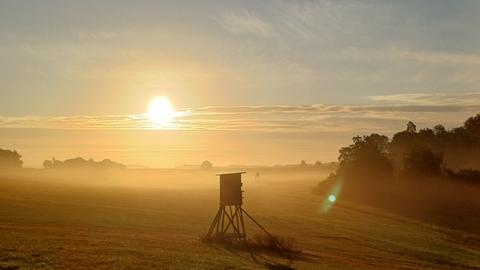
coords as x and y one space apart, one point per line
468 101
394 112
318 109
243 22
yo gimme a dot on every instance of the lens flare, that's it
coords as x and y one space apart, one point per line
332 197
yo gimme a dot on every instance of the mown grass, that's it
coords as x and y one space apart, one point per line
52 225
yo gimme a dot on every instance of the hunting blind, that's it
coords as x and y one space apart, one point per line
231 189
228 222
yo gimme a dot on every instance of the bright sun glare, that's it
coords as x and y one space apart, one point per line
160 111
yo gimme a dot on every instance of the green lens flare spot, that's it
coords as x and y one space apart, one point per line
332 198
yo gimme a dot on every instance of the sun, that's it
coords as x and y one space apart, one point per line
160 111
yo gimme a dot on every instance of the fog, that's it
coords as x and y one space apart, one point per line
172 178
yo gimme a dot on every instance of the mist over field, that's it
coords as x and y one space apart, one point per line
155 218
286 134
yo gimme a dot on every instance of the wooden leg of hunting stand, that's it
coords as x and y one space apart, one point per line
240 210
258 224
213 225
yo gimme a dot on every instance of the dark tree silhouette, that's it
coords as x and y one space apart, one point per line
472 128
422 160
440 131
80 163
10 159
206 165
365 158
411 127
47 164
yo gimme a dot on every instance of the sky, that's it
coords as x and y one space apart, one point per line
254 82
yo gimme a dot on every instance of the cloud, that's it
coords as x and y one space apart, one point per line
94 34
130 121
466 101
243 22
418 106
321 20
391 112
437 57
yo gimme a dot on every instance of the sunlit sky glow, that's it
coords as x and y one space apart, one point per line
160 112
268 77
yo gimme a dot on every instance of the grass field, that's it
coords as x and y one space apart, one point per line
53 224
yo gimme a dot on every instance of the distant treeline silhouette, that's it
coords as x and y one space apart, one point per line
427 153
80 163
10 159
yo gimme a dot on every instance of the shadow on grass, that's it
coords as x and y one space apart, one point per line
260 245
278 266
9 266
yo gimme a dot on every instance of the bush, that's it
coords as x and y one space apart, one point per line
260 242
273 243
466 175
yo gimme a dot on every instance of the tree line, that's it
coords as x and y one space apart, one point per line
13 160
427 153
80 163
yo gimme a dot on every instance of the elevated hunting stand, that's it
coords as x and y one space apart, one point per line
228 222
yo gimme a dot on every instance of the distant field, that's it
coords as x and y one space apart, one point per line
149 223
